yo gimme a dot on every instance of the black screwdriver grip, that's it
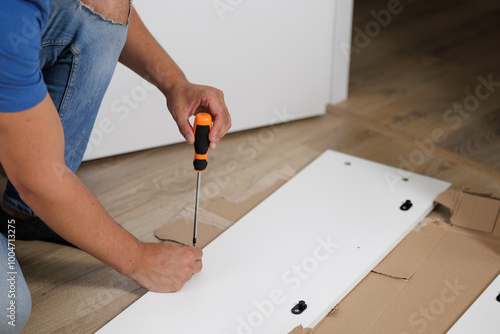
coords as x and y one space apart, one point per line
201 144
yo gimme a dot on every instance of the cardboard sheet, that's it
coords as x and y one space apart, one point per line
483 315
233 211
217 214
180 228
314 239
237 205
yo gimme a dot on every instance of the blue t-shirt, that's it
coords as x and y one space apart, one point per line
21 80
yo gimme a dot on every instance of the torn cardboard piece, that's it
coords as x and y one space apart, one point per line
471 210
180 229
216 215
368 301
454 274
411 252
236 206
234 211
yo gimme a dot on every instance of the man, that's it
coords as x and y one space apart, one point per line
56 60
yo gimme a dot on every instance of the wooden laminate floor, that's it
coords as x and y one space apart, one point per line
414 103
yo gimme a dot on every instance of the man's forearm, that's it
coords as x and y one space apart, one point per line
145 56
74 213
31 154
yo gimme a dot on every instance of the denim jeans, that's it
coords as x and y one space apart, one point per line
80 50
15 299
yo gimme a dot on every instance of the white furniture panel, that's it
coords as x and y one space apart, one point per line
484 315
314 239
274 60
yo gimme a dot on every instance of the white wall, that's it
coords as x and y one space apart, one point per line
275 61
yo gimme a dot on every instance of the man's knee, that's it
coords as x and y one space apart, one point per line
115 10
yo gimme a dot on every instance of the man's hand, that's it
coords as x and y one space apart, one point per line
185 99
166 267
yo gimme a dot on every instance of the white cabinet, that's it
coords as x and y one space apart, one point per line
275 61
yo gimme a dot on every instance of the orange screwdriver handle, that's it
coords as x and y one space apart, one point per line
202 126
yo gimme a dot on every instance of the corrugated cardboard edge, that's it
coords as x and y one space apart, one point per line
470 209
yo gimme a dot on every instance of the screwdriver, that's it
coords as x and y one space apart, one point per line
201 127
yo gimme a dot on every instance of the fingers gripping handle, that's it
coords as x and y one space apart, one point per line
202 126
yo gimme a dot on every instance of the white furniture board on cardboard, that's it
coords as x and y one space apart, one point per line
314 239
483 316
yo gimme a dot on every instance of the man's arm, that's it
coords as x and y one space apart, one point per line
32 154
146 57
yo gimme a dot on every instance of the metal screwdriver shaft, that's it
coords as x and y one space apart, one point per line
202 126
196 205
